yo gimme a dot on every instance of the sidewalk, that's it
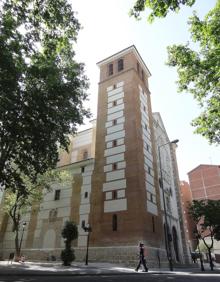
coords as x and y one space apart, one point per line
56 268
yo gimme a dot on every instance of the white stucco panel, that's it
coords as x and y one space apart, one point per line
115 115
152 208
115 205
114 185
115 128
84 208
115 136
115 158
114 150
118 174
121 193
115 91
108 195
116 97
115 109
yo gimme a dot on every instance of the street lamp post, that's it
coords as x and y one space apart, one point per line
89 230
22 234
167 235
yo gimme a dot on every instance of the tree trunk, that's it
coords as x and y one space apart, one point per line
17 245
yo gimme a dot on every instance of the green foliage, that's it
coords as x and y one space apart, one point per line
42 87
205 214
199 71
17 203
69 233
67 256
159 8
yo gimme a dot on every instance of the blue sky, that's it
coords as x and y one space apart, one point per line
107 29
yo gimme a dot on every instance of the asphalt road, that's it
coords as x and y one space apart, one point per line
140 277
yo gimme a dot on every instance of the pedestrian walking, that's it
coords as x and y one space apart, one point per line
142 260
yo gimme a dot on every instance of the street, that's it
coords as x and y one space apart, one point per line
110 278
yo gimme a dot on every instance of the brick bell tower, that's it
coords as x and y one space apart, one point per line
125 203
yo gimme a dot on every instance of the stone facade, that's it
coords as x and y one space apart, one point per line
114 184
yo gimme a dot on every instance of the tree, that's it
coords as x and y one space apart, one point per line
205 214
42 87
69 233
17 204
198 69
159 8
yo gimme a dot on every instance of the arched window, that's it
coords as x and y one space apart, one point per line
175 243
120 64
114 222
110 69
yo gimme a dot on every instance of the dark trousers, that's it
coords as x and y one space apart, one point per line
143 262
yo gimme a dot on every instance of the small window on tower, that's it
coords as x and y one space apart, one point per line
114 103
114 222
114 166
57 195
82 169
114 195
110 69
114 122
114 143
120 64
86 195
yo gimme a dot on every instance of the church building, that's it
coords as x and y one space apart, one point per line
124 181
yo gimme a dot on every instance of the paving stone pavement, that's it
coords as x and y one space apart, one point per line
77 268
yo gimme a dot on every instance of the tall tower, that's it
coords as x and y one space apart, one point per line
125 205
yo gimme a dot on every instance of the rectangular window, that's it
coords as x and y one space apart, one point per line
110 69
82 169
114 195
120 64
114 143
57 195
114 103
114 122
114 166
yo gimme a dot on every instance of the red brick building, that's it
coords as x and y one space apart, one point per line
204 182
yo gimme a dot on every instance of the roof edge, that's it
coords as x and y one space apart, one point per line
125 51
